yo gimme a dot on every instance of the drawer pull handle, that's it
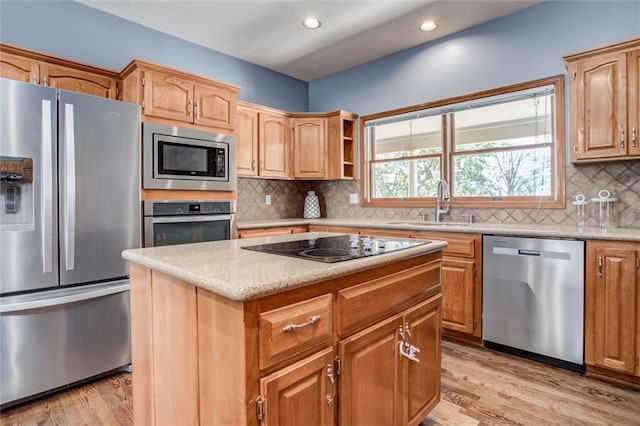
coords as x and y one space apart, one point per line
292 327
599 266
331 397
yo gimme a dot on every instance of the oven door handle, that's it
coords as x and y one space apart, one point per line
187 219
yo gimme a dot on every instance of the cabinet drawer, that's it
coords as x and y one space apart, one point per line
458 244
361 305
293 329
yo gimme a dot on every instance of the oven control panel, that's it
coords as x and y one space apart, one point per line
186 208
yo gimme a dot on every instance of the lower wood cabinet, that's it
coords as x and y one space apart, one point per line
421 380
380 386
612 320
372 353
301 394
200 358
461 275
277 230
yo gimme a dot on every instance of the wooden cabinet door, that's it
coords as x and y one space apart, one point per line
274 135
458 294
370 392
599 118
309 147
611 305
634 103
300 393
166 96
66 78
246 141
214 107
421 380
15 67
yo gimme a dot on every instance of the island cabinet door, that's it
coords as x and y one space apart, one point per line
369 388
301 394
421 377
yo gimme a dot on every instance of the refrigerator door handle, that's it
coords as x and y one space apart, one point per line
79 296
70 190
46 201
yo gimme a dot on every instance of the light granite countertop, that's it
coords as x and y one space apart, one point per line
519 230
223 267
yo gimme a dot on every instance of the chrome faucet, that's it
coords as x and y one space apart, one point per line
442 195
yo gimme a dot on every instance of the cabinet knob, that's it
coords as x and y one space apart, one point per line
634 140
622 138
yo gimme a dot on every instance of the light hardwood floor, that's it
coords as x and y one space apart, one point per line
479 387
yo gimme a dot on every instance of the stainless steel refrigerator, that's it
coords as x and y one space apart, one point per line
69 205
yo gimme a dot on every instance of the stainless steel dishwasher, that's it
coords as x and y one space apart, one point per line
533 298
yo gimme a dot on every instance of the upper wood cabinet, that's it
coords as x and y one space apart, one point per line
16 67
169 96
309 147
32 67
274 146
612 319
325 146
247 130
341 141
263 139
604 101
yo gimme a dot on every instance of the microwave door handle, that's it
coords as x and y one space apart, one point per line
46 200
70 192
188 219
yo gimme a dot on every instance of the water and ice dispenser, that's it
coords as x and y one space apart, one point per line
16 193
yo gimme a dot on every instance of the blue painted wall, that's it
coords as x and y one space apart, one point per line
524 46
74 31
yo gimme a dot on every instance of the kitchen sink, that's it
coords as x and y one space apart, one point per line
437 224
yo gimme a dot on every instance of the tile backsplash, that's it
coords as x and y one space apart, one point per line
622 179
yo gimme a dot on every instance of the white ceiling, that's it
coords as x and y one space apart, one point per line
270 33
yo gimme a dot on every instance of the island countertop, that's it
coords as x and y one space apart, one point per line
225 268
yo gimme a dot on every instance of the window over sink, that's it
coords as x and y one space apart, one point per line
499 148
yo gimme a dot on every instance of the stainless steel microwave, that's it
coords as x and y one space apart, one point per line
180 158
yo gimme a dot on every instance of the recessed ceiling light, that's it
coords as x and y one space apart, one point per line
428 26
311 23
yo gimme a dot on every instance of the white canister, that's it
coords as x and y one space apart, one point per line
311 206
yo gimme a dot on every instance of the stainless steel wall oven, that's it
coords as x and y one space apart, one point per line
179 158
182 222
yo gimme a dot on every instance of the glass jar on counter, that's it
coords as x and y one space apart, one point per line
605 210
581 210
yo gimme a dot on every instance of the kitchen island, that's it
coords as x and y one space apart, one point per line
227 336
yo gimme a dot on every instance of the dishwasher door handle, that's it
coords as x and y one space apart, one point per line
529 252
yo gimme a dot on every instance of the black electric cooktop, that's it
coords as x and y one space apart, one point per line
336 249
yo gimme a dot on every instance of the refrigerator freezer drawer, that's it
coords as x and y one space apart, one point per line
59 337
